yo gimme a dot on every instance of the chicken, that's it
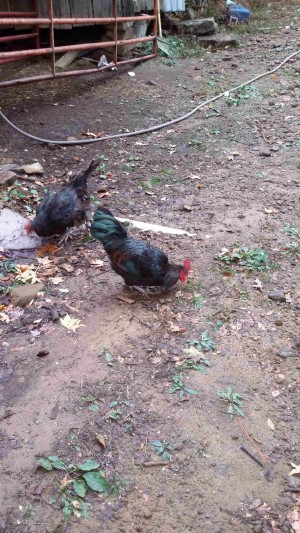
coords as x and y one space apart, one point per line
63 210
139 263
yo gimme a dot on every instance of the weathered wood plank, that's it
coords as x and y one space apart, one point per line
102 8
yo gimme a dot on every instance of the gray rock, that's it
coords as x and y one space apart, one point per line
197 26
7 178
218 41
277 296
265 152
22 296
286 352
12 232
34 168
9 166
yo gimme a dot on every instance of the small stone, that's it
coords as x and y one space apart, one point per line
7 178
34 168
276 45
151 82
22 296
280 378
258 528
274 148
187 208
54 412
297 68
286 352
9 166
265 152
54 315
278 322
277 296
147 513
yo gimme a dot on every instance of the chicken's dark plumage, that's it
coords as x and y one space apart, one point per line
138 262
62 210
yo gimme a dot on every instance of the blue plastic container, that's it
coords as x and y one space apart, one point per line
239 12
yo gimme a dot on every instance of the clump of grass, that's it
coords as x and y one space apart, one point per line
256 259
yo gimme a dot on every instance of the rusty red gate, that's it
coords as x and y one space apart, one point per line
25 19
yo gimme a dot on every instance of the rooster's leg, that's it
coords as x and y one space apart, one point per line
140 290
64 238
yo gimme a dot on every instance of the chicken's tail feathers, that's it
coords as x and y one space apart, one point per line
106 227
81 179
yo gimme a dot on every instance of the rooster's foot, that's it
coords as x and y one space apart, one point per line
140 290
65 237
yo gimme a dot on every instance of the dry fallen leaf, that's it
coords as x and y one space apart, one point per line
26 273
125 300
270 424
44 261
57 280
257 284
67 267
71 323
270 210
295 471
97 263
4 318
294 518
176 329
100 439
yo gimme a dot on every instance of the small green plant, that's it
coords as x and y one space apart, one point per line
256 259
205 343
234 401
194 361
242 94
114 414
155 181
29 512
162 448
178 386
78 481
107 354
290 230
292 247
198 301
200 145
94 405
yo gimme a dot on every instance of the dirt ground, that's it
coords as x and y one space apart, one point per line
230 175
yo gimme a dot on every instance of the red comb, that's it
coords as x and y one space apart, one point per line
187 264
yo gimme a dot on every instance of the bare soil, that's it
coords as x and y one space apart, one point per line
207 175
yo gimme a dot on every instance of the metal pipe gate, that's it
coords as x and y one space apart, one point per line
51 21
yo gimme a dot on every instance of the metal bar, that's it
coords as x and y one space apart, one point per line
18 13
86 46
156 7
115 51
20 37
51 30
60 21
36 26
70 73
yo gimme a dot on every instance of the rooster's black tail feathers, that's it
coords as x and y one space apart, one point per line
81 179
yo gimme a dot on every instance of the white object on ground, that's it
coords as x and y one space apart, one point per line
12 232
145 226
131 74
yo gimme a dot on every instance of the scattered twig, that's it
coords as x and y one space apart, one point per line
292 490
264 457
141 321
154 463
256 459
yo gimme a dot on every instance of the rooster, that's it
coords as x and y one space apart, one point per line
139 263
61 211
